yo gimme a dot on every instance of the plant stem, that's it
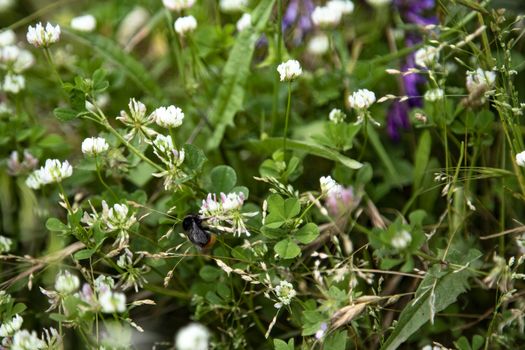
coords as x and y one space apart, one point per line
278 59
287 117
49 59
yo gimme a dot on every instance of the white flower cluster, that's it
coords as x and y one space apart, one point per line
520 159
192 337
480 79
284 292
178 5
233 5
244 22
401 240
52 171
66 283
16 338
434 95
93 146
361 99
117 218
5 244
168 117
13 60
427 56
39 36
337 116
184 25
137 120
226 209
318 45
329 187
332 13
10 327
84 23
289 70
171 157
104 298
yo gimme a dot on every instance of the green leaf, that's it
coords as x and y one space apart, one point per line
383 155
281 210
282 345
439 289
65 114
287 249
421 159
53 224
336 341
230 97
209 273
307 233
58 317
83 254
271 144
194 157
223 179
113 52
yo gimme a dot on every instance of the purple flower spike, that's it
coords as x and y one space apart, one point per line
397 119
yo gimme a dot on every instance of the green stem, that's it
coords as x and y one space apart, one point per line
49 59
288 104
278 59
64 195
102 180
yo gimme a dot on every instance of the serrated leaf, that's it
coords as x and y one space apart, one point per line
307 233
65 114
230 96
439 289
271 144
287 249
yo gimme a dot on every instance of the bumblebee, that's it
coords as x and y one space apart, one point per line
197 234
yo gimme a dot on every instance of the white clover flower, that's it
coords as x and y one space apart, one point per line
185 25
178 5
85 23
112 302
226 210
430 347
426 56
5 244
325 17
54 171
284 293
40 37
244 22
104 283
6 4
93 146
401 240
233 5
192 337
345 7
34 181
480 79
379 3
289 70
66 283
14 83
7 37
434 95
164 149
10 327
118 219
329 186
23 340
318 45
24 60
137 120
361 99
336 116
520 159
168 117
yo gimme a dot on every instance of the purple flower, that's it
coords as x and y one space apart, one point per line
297 18
397 119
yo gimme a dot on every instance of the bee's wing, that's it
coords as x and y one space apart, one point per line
198 236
